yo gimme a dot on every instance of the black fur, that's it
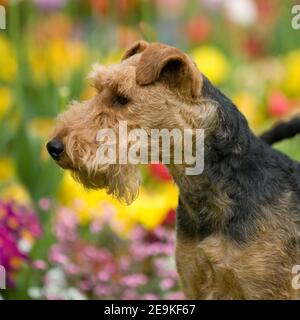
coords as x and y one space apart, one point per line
246 169
281 131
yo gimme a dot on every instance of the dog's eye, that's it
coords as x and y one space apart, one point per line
121 100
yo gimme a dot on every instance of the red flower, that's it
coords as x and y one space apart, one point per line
170 218
253 46
278 104
102 6
198 29
125 6
160 172
268 10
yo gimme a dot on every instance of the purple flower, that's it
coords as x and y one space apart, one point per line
18 225
50 5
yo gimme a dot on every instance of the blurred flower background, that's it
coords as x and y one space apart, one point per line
59 241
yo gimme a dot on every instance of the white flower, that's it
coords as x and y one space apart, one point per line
24 245
56 276
56 287
74 294
35 293
243 12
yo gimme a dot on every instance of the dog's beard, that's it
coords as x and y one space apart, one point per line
120 181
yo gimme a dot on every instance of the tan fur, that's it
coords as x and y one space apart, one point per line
217 268
159 97
153 106
137 47
158 57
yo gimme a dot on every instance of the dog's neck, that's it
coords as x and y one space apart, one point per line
206 199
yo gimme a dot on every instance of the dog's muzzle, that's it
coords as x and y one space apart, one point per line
55 148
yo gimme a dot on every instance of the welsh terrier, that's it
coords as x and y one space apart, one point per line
238 221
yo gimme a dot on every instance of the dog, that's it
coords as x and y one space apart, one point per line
237 223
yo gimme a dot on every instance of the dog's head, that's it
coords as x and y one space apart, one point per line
155 86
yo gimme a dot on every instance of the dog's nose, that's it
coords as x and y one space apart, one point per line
55 148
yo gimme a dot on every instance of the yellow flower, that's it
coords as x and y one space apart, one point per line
87 203
149 209
211 62
65 57
41 127
291 82
248 106
57 60
8 64
17 193
112 58
7 169
5 100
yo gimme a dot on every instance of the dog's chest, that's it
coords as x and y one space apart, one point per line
217 268
207 270
219 251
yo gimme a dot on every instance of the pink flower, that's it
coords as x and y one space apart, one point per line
130 294
57 256
65 228
175 296
85 285
167 283
39 264
96 226
134 280
108 267
102 291
150 296
104 276
44 204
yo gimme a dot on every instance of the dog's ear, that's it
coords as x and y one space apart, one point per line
137 47
169 64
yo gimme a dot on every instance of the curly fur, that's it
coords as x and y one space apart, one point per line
238 222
